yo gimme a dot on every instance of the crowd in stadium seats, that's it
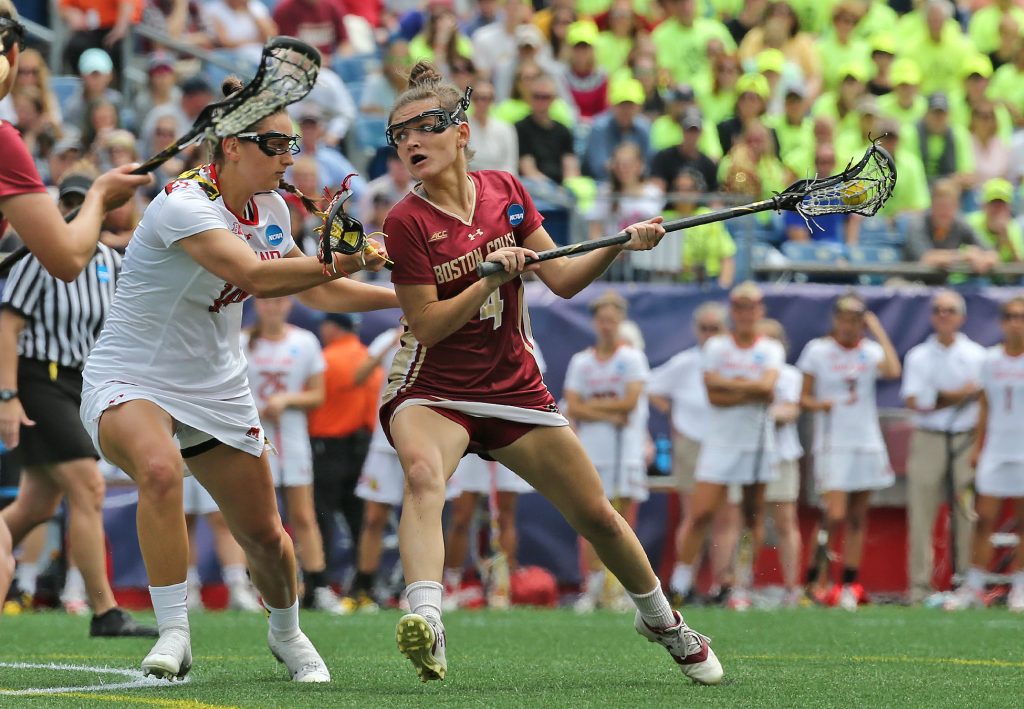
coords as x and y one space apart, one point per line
721 101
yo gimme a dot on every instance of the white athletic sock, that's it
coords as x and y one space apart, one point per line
975 579
682 579
192 577
27 574
1018 579
235 575
425 599
284 622
654 608
169 606
453 578
594 583
74 585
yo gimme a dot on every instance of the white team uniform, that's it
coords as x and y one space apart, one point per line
382 478
172 335
930 368
1001 465
849 451
788 451
738 438
285 365
617 452
682 380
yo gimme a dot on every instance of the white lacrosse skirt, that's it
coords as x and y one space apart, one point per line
383 480
849 470
730 466
291 469
999 478
474 475
632 482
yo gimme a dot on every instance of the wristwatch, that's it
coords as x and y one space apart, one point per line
8 394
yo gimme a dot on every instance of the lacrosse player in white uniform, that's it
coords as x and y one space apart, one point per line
604 393
998 456
841 371
740 372
168 366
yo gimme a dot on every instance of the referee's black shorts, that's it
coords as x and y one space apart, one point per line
51 396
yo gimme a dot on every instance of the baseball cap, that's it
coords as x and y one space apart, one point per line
771 60
529 35
349 321
626 91
196 85
582 32
867 105
160 61
883 42
71 140
691 118
978 64
905 71
795 89
74 184
680 92
888 126
853 70
754 83
309 111
997 189
95 60
938 102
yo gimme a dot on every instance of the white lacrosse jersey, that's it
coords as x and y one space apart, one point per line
592 378
1002 377
173 325
787 391
931 367
283 365
385 346
740 427
681 379
847 377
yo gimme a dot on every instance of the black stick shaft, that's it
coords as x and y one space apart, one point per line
490 267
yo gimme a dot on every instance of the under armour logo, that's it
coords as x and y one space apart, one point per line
478 232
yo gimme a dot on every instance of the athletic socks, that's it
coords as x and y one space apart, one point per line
284 622
169 606
1018 579
26 575
453 578
74 585
975 579
682 579
425 599
236 575
654 608
594 583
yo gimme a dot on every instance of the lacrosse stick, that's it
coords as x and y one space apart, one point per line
287 72
860 189
745 548
341 232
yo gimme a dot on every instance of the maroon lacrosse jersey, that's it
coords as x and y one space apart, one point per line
18 175
490 358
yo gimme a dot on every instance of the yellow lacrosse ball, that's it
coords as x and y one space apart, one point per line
854 193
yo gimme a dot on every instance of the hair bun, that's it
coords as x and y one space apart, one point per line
231 85
424 73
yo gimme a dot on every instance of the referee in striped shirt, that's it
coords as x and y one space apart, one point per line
47 328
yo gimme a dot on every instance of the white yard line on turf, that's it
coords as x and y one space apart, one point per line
138 680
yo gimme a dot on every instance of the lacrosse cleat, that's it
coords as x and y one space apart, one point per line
171 657
964 598
423 642
691 650
300 657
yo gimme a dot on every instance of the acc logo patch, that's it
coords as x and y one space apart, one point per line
275 235
515 213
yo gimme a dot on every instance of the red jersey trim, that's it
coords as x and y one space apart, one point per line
250 206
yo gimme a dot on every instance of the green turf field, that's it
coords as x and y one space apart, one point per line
880 657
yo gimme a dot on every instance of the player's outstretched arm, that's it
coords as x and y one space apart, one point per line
348 296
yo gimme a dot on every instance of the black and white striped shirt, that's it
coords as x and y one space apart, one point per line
63 320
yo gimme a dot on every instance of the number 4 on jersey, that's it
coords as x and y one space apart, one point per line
492 308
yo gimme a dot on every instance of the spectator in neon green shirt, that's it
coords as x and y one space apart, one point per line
905 102
682 39
875 17
1009 39
708 251
840 45
910 195
751 167
800 159
781 30
883 56
666 130
515 108
945 148
941 47
1007 86
984 25
794 129
994 222
716 92
841 105
852 143
615 43
977 72
440 41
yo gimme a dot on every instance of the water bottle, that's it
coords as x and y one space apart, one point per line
663 454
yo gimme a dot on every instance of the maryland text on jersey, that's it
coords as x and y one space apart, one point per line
467 263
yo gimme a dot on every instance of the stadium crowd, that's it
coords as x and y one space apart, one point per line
614 111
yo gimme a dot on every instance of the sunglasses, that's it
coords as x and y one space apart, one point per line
12 29
709 328
945 311
436 120
543 97
1013 316
273 143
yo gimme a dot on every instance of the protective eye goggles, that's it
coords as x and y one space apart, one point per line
11 29
273 143
436 120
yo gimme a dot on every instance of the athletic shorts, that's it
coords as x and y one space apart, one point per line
197 500
729 466
291 469
632 481
852 471
198 422
51 396
383 480
786 487
490 426
474 475
1000 478
684 461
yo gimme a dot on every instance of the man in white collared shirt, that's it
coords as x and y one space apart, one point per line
940 383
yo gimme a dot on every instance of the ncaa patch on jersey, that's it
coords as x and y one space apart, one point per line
275 235
516 214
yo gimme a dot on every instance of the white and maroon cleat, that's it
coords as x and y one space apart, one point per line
691 650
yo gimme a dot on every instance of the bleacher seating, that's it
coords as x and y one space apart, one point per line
811 251
873 254
355 69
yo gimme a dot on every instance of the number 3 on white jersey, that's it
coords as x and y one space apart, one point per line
492 308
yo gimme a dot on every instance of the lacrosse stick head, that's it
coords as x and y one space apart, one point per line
287 72
862 188
340 232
